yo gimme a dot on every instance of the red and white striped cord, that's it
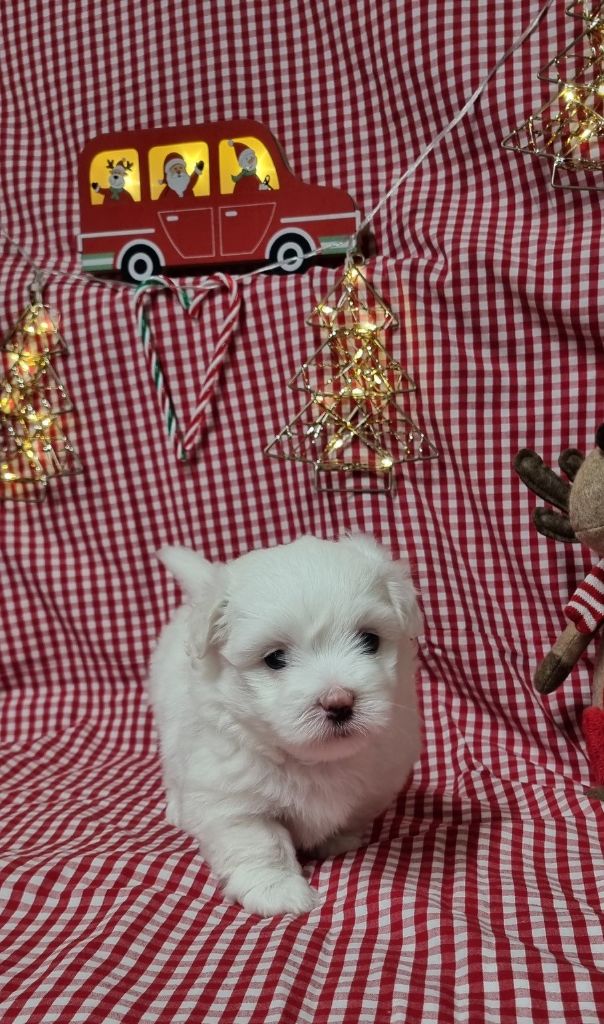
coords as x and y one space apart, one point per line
229 324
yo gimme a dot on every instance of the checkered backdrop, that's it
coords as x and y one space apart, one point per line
478 895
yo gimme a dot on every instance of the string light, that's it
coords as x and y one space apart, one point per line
353 241
569 130
53 455
33 446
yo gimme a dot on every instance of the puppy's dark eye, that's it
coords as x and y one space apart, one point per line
369 643
276 660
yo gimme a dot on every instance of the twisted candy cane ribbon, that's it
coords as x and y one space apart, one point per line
184 441
228 326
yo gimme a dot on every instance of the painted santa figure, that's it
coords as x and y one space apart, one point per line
176 179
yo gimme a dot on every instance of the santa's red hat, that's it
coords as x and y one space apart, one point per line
241 151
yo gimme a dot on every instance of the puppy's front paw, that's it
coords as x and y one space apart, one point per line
272 892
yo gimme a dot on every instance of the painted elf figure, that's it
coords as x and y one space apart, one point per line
247 180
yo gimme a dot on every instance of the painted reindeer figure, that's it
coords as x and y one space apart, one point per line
116 181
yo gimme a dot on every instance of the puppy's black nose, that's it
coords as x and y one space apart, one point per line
339 715
338 703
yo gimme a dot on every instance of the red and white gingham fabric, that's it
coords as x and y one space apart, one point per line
479 895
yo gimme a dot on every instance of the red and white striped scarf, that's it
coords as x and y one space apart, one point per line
586 606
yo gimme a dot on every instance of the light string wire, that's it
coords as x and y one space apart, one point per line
41 275
457 118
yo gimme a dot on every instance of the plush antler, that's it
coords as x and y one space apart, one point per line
546 484
542 480
570 462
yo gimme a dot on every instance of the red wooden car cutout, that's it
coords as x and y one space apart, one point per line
208 194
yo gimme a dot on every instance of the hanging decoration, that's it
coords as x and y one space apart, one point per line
149 202
352 423
569 130
360 425
33 400
185 438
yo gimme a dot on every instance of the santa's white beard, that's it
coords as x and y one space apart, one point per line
177 181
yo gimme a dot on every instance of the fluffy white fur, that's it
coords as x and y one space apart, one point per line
256 763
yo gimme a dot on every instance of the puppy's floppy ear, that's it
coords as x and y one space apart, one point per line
204 585
403 597
397 578
189 568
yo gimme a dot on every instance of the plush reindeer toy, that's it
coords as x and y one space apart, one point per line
577 516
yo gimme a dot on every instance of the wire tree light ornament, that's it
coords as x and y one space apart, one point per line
33 445
352 422
569 129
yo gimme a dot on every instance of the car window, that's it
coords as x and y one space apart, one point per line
115 177
246 166
179 170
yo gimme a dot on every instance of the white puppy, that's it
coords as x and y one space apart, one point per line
285 700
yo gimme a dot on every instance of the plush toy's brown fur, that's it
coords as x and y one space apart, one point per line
577 516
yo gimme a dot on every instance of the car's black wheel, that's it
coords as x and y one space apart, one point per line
139 262
290 252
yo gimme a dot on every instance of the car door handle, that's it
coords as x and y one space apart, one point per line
231 213
172 216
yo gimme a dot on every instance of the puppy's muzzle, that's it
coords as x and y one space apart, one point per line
338 704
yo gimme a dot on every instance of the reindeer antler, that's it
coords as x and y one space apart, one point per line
542 481
126 164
